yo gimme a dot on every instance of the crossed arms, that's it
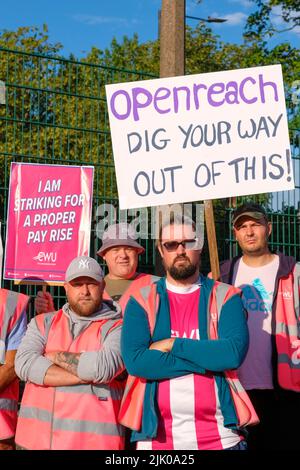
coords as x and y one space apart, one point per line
62 368
175 357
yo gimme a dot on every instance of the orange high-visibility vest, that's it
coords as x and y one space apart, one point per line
131 410
78 417
12 305
287 330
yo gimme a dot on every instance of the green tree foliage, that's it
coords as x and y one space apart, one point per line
262 22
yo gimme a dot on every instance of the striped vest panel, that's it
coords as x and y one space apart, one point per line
287 331
78 417
12 305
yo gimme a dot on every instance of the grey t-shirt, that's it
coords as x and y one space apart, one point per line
116 287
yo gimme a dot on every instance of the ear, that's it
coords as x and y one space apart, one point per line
66 286
269 228
160 250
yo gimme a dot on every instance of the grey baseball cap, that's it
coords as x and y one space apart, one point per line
84 266
121 234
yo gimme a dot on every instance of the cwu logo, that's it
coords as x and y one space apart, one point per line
286 294
43 257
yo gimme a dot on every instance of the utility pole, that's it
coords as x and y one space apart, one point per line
171 25
172 63
172 38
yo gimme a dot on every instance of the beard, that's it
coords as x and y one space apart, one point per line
182 272
85 309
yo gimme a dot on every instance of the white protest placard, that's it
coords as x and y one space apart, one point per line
198 137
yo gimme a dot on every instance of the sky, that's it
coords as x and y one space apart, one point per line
78 25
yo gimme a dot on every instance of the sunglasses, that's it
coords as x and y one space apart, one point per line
187 244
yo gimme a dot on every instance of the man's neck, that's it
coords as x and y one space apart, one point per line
183 282
256 260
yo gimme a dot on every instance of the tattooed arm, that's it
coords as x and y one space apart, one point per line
33 366
65 360
64 369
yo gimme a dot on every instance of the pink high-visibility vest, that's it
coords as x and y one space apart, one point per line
78 417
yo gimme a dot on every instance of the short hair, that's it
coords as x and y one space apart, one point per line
175 219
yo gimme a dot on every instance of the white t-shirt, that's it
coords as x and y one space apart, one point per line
257 284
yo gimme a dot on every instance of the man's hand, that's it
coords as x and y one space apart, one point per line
43 303
164 345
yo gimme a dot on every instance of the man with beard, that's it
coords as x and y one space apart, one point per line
180 337
71 363
270 284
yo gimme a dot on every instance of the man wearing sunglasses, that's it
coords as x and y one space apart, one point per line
180 337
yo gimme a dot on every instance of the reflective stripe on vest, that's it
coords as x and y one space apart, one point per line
72 417
71 425
12 305
287 331
7 404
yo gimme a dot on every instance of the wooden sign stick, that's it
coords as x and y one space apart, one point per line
212 239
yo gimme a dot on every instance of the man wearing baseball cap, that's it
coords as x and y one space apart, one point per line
71 363
121 251
270 285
